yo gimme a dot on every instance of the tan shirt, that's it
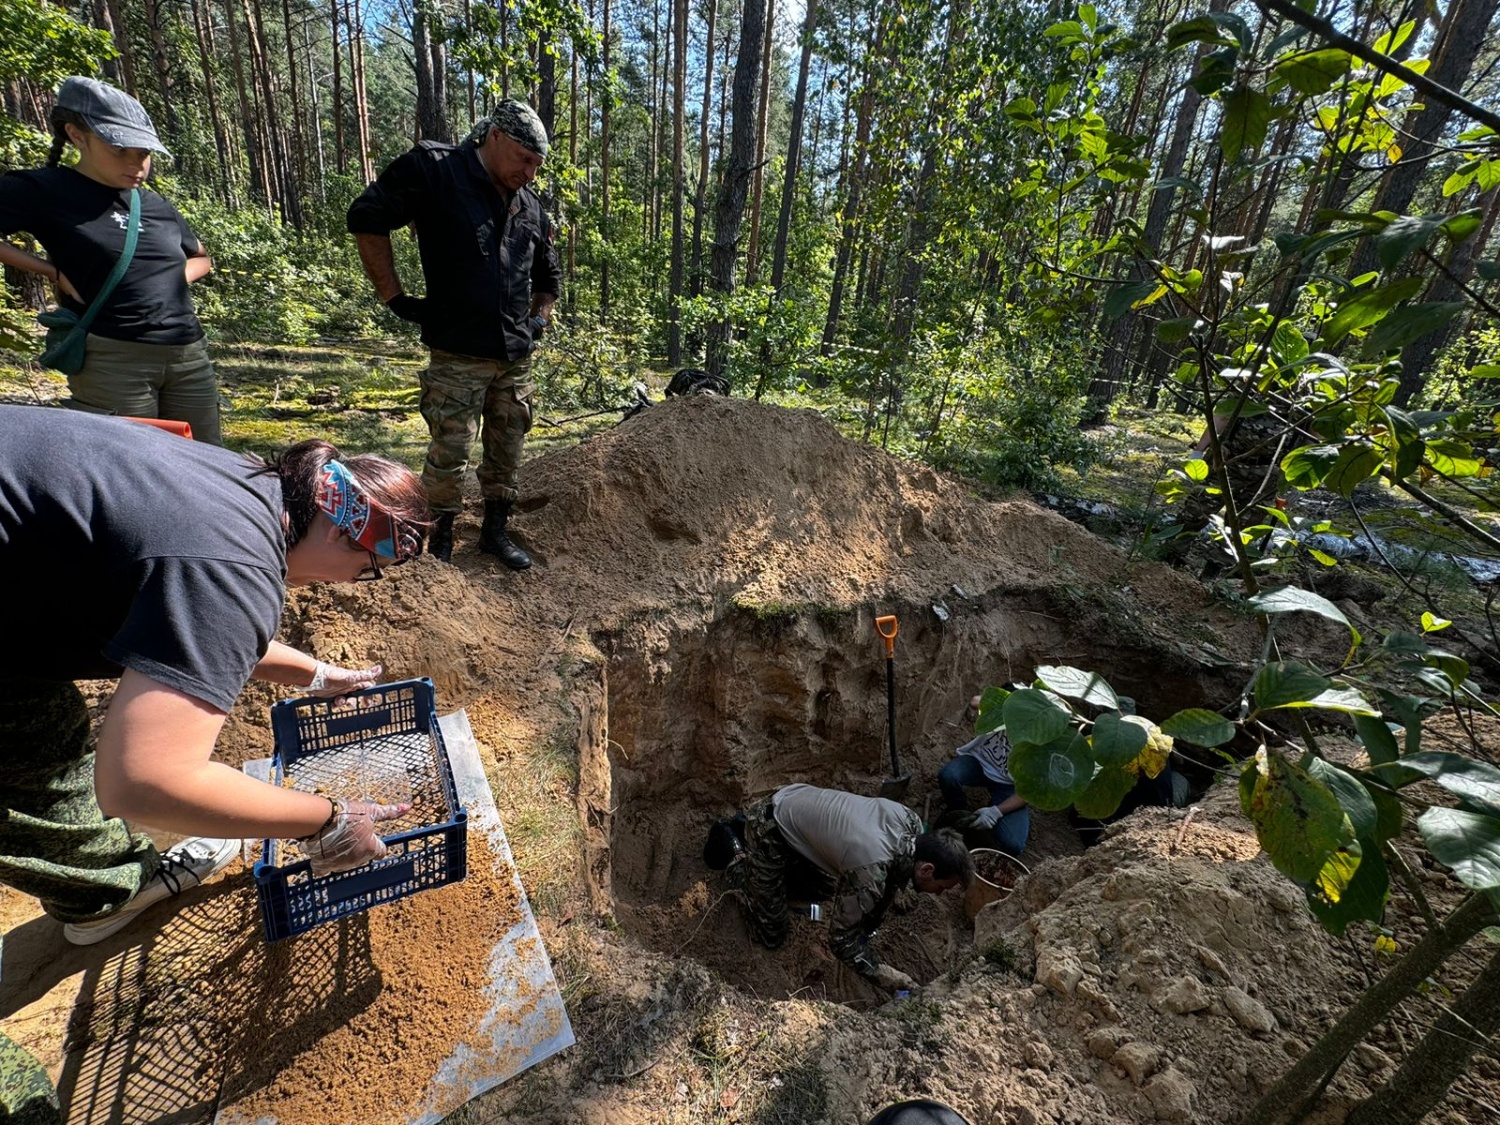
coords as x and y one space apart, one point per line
842 832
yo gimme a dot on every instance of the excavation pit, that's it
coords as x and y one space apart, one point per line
703 718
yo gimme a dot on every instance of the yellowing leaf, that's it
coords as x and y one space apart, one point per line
1393 154
1158 749
1337 873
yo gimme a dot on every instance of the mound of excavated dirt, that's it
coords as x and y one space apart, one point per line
697 631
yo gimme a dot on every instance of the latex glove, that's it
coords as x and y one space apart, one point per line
330 681
988 817
892 979
351 840
413 309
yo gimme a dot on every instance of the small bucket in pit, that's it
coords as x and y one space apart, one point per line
996 874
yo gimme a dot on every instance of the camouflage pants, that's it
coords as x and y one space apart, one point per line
770 872
464 397
55 843
26 1093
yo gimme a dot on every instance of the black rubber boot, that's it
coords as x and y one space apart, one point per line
440 539
494 541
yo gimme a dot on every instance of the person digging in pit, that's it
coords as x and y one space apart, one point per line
860 851
984 762
131 554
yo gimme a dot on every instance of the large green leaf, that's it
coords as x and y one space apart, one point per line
1368 306
1200 727
1247 113
1345 699
1283 682
1356 462
1052 775
1298 821
1379 742
1403 236
1293 599
1467 842
1411 323
991 710
1307 466
1116 742
1357 803
1075 683
1201 29
1407 444
1364 898
1033 716
1475 783
1389 813
1314 72
1122 298
1105 792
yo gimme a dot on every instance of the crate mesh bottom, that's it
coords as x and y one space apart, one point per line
388 769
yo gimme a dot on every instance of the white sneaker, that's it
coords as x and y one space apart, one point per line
183 866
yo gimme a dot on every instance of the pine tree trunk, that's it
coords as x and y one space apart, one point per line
679 186
104 20
758 178
794 149
604 106
546 83
215 115
736 182
572 288
340 162
361 92
299 149
255 152
853 177
163 65
700 197
283 179
653 130
1468 29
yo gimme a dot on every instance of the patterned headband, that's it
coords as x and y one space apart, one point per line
345 503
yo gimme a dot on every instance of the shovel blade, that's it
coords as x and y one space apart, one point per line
894 788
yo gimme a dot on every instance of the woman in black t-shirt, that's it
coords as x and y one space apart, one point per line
146 355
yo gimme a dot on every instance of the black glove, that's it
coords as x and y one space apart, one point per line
537 326
409 308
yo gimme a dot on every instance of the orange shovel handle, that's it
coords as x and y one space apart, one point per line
887 627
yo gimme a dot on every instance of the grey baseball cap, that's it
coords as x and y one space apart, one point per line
111 113
516 120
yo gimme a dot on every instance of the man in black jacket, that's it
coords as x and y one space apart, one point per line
492 278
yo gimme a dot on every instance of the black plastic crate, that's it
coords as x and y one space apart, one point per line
382 744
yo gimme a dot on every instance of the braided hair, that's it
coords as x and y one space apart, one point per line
60 119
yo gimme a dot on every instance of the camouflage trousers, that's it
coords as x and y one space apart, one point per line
769 874
26 1093
464 397
55 843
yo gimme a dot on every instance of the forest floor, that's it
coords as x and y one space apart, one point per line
697 631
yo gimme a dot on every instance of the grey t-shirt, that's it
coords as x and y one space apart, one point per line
841 832
122 546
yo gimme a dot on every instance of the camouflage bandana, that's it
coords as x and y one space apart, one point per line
516 120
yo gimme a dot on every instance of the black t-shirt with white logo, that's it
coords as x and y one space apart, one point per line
81 224
122 546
